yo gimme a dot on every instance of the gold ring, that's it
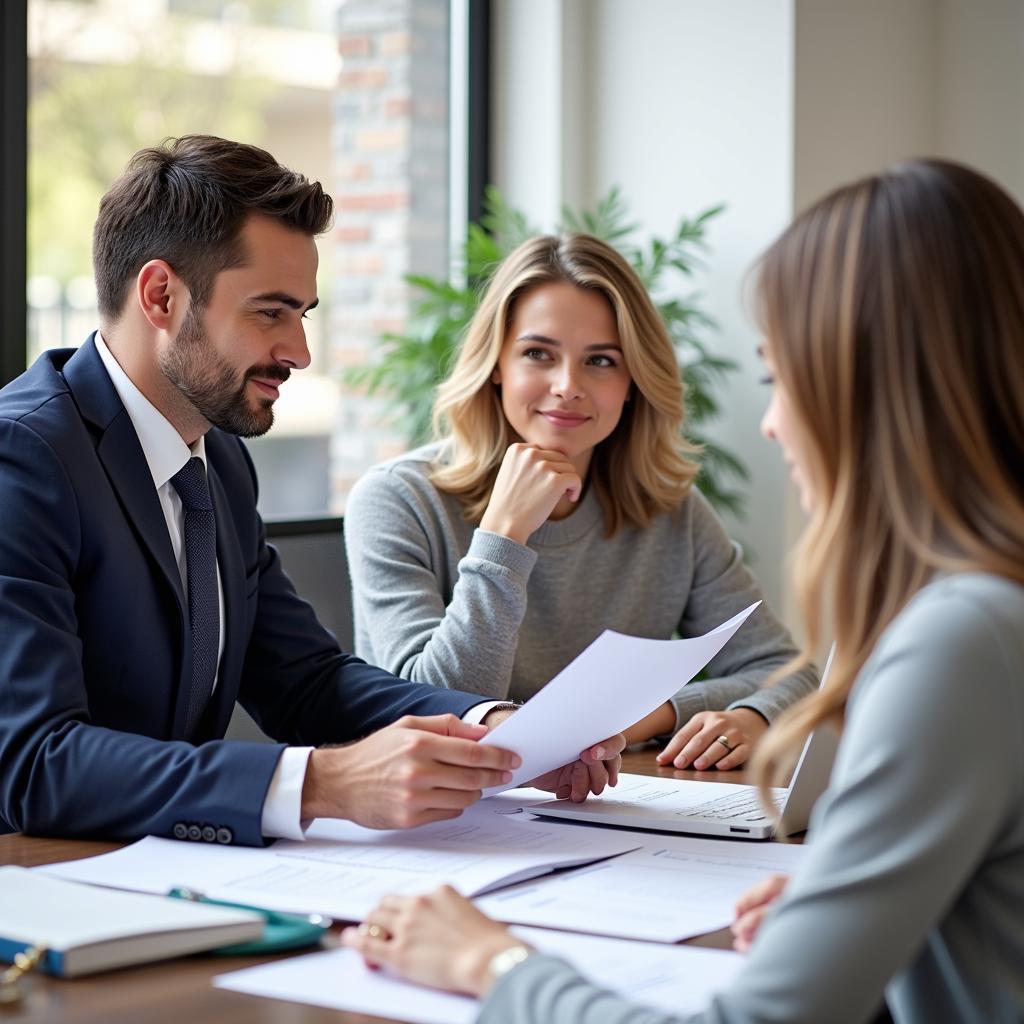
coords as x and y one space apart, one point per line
725 743
375 931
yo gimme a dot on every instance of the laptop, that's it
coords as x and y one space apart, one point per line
702 808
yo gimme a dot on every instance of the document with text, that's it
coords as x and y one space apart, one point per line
674 979
673 888
611 685
343 869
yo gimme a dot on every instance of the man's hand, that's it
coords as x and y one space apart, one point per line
412 772
496 716
596 768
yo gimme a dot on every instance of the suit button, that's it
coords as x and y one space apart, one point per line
209 834
195 833
180 830
225 835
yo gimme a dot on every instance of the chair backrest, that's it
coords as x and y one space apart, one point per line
313 555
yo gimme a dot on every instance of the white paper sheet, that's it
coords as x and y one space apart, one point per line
343 869
676 979
611 685
671 889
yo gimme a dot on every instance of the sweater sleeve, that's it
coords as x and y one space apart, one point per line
398 551
545 988
722 585
926 792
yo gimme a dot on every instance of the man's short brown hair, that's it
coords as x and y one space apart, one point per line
185 202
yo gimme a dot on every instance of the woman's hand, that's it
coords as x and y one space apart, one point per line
751 908
697 744
530 483
438 939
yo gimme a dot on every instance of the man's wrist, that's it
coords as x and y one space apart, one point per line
498 713
316 798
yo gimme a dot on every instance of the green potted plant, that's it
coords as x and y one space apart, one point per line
410 365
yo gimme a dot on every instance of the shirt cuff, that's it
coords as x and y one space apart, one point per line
283 803
478 712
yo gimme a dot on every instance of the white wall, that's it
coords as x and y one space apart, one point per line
685 104
765 104
979 87
877 82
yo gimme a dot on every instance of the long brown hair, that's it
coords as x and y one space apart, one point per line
645 466
894 316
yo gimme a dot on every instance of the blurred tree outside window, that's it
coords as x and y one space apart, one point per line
109 77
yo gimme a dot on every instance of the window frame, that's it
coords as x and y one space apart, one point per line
13 187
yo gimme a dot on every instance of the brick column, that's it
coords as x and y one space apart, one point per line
391 188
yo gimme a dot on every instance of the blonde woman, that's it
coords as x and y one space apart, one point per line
561 503
894 321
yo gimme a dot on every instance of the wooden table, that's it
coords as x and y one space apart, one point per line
179 990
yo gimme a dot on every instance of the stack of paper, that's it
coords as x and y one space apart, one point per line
342 870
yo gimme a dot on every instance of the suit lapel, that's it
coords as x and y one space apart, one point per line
121 455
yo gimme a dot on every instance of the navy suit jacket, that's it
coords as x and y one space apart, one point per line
95 641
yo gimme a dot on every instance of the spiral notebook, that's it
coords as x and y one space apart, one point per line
85 928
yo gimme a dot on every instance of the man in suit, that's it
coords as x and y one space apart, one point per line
138 596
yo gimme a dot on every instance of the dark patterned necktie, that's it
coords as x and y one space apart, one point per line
201 572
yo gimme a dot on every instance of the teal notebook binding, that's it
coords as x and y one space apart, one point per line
281 931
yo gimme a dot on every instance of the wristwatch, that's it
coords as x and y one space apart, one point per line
503 962
505 705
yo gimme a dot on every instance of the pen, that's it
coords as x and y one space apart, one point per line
180 892
281 931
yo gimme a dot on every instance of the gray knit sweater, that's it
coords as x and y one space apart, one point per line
438 600
915 872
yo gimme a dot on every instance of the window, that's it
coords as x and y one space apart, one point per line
351 93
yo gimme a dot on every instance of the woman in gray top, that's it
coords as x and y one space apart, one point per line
562 504
894 318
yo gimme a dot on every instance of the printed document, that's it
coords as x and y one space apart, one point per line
343 869
673 888
674 979
611 685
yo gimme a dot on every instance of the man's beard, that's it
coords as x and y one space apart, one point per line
213 387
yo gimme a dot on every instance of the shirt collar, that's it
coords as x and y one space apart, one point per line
162 445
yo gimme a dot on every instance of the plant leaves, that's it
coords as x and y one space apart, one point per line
409 366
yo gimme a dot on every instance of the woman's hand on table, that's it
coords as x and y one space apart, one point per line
438 939
751 908
699 743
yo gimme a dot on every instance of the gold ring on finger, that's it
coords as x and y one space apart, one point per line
725 743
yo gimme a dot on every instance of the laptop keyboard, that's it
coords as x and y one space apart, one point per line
736 805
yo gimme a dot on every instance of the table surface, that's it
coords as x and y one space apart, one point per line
176 990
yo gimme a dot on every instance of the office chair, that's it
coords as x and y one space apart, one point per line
313 555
